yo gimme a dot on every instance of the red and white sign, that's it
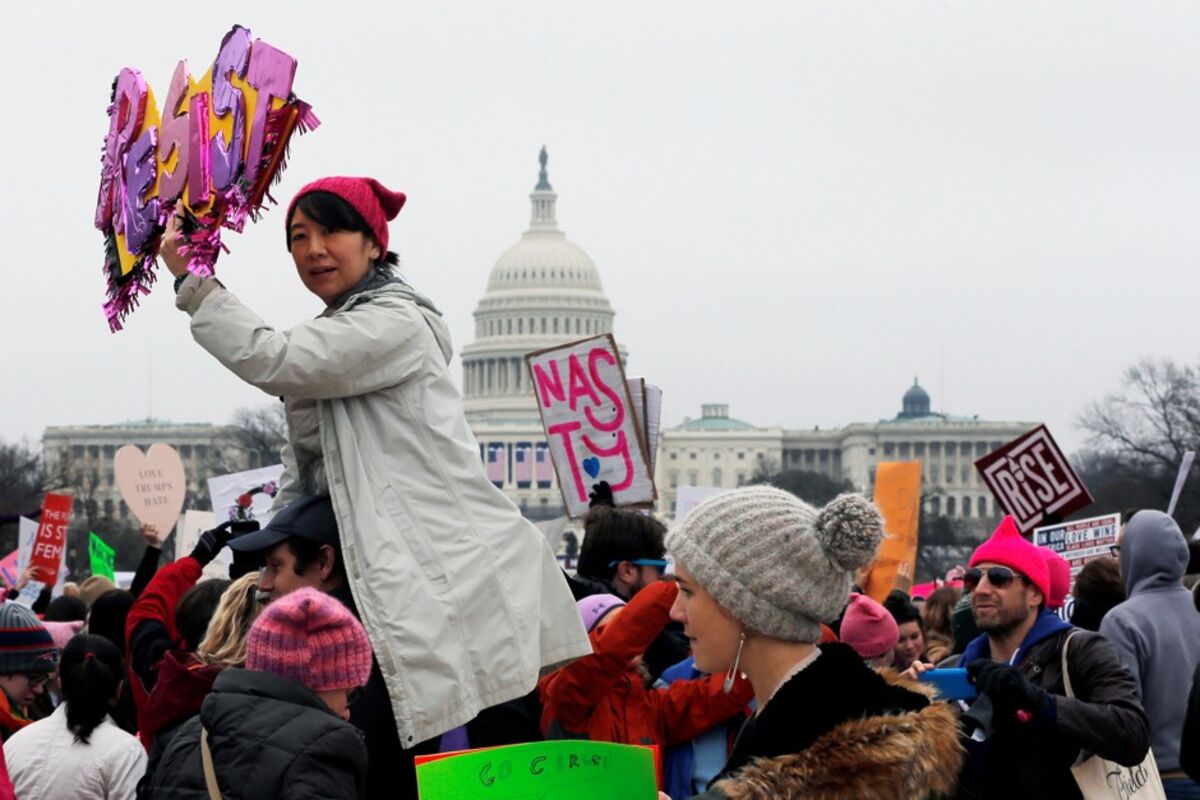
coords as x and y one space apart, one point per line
1031 478
51 539
590 423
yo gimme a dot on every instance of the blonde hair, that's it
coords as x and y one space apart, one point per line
224 642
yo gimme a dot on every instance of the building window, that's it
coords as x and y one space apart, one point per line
889 449
919 449
693 478
966 507
981 448
951 449
521 325
674 505
950 508
871 451
935 448
935 506
717 477
716 456
674 456
949 474
741 479
981 501
966 475
692 456
543 324
904 450
674 479
555 325
741 456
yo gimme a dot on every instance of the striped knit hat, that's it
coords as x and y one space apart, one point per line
312 639
25 644
776 563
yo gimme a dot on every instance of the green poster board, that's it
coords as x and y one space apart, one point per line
553 770
103 557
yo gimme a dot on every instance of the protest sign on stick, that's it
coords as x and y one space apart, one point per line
153 484
1180 479
550 770
102 557
210 156
1032 479
245 495
1080 541
590 422
51 539
898 498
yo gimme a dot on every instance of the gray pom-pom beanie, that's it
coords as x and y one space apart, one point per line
776 563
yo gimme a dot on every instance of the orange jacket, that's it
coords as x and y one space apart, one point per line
599 697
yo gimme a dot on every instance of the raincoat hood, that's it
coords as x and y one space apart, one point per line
1154 554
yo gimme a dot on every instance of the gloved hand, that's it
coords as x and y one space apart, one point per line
1010 691
601 495
211 542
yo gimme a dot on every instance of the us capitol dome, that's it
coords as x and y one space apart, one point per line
544 291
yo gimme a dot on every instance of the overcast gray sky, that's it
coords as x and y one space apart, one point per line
794 207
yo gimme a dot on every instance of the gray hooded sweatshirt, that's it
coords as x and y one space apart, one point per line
1157 629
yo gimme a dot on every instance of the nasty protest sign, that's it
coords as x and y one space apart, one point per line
152 484
1030 478
590 422
898 498
1081 541
550 770
102 557
51 539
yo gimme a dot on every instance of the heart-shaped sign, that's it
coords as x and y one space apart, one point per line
591 466
152 484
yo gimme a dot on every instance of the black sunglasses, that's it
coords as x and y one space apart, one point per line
999 577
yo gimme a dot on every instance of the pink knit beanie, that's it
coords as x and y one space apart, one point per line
1008 547
63 632
868 627
1060 578
312 639
374 202
593 608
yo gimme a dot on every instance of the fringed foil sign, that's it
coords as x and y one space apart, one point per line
211 156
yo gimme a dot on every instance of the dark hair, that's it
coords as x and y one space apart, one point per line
902 609
1098 588
615 534
66 609
306 552
196 608
108 616
91 670
326 208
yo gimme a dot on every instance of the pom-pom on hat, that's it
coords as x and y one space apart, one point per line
595 607
1008 547
868 627
312 639
374 202
776 563
1060 578
25 644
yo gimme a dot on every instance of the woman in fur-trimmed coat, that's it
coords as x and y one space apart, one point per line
758 570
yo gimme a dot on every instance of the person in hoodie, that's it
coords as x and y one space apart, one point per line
759 570
1024 733
461 596
1157 635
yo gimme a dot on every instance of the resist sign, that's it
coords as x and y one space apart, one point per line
1030 477
51 539
590 423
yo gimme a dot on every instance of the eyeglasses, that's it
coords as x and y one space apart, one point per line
658 563
37 681
999 577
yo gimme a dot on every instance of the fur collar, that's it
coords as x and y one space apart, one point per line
906 754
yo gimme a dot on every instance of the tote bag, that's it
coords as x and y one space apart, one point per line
1100 779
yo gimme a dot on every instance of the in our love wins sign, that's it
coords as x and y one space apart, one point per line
1031 478
590 424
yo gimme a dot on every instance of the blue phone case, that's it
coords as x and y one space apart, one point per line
951 684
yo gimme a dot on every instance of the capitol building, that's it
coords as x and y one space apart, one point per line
544 290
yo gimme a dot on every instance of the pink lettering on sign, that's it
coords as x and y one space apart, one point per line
591 431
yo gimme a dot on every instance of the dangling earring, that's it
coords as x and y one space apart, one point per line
733 668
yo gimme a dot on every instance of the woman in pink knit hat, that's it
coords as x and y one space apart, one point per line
279 727
466 602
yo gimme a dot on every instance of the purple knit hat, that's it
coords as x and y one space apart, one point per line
312 639
593 608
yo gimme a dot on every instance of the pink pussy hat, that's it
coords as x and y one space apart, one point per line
1009 548
312 639
1060 578
374 202
593 608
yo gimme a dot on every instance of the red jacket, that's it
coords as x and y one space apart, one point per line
150 628
599 697
183 683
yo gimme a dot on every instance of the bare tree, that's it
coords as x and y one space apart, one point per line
21 478
260 433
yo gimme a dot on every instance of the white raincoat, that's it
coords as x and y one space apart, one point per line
461 596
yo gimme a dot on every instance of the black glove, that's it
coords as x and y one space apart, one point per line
211 542
601 495
1010 691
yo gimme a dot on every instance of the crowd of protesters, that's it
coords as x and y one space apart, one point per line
398 605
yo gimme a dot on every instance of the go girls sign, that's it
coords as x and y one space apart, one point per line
588 417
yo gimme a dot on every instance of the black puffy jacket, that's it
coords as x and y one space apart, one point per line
269 737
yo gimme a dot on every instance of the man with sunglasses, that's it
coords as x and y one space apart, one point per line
27 657
1026 732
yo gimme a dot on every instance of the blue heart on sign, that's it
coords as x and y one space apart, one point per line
591 466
